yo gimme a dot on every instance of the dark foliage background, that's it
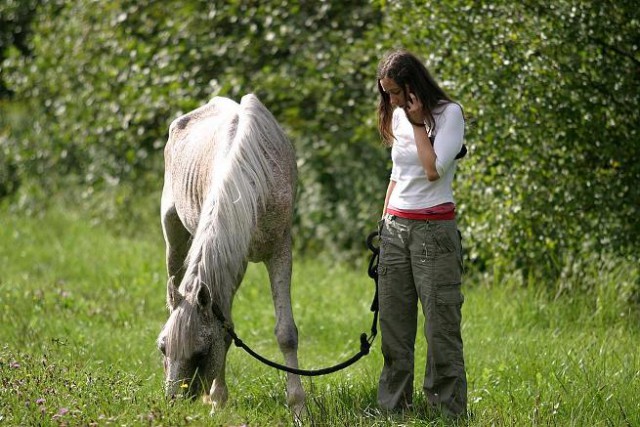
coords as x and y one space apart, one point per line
550 90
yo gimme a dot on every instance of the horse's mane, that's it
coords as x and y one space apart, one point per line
241 183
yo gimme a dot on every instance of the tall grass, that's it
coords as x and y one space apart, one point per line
81 307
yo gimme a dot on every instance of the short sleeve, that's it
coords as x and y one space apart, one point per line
449 136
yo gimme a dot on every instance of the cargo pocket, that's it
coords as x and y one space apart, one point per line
449 295
449 301
443 241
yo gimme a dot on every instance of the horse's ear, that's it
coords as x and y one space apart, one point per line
174 297
204 297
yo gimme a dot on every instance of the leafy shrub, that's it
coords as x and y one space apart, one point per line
551 95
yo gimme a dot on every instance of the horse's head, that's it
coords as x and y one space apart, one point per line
192 342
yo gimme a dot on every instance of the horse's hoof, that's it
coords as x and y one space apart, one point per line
299 412
215 407
216 402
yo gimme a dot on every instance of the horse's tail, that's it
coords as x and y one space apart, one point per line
242 184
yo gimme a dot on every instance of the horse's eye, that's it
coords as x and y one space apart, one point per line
162 346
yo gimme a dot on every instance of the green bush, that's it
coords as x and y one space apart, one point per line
107 79
550 93
553 97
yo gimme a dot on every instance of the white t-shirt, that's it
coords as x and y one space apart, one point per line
413 190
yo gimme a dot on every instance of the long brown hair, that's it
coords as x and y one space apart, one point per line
406 69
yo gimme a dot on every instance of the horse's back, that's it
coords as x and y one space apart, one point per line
202 145
196 130
194 139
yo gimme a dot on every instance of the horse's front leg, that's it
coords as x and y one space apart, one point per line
219 394
279 268
178 240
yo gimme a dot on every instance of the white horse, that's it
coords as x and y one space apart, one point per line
228 197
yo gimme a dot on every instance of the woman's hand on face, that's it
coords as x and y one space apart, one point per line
413 109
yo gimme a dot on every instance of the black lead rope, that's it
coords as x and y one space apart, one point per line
365 342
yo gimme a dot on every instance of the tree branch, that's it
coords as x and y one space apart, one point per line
615 49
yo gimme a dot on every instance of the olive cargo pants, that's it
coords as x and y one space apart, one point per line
421 261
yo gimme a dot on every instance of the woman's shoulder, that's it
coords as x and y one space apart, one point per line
448 114
448 108
397 112
448 111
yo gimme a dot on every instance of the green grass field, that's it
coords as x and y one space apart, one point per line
81 307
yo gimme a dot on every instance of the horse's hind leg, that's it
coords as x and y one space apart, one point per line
279 268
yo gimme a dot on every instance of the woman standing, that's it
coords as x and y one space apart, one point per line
421 253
